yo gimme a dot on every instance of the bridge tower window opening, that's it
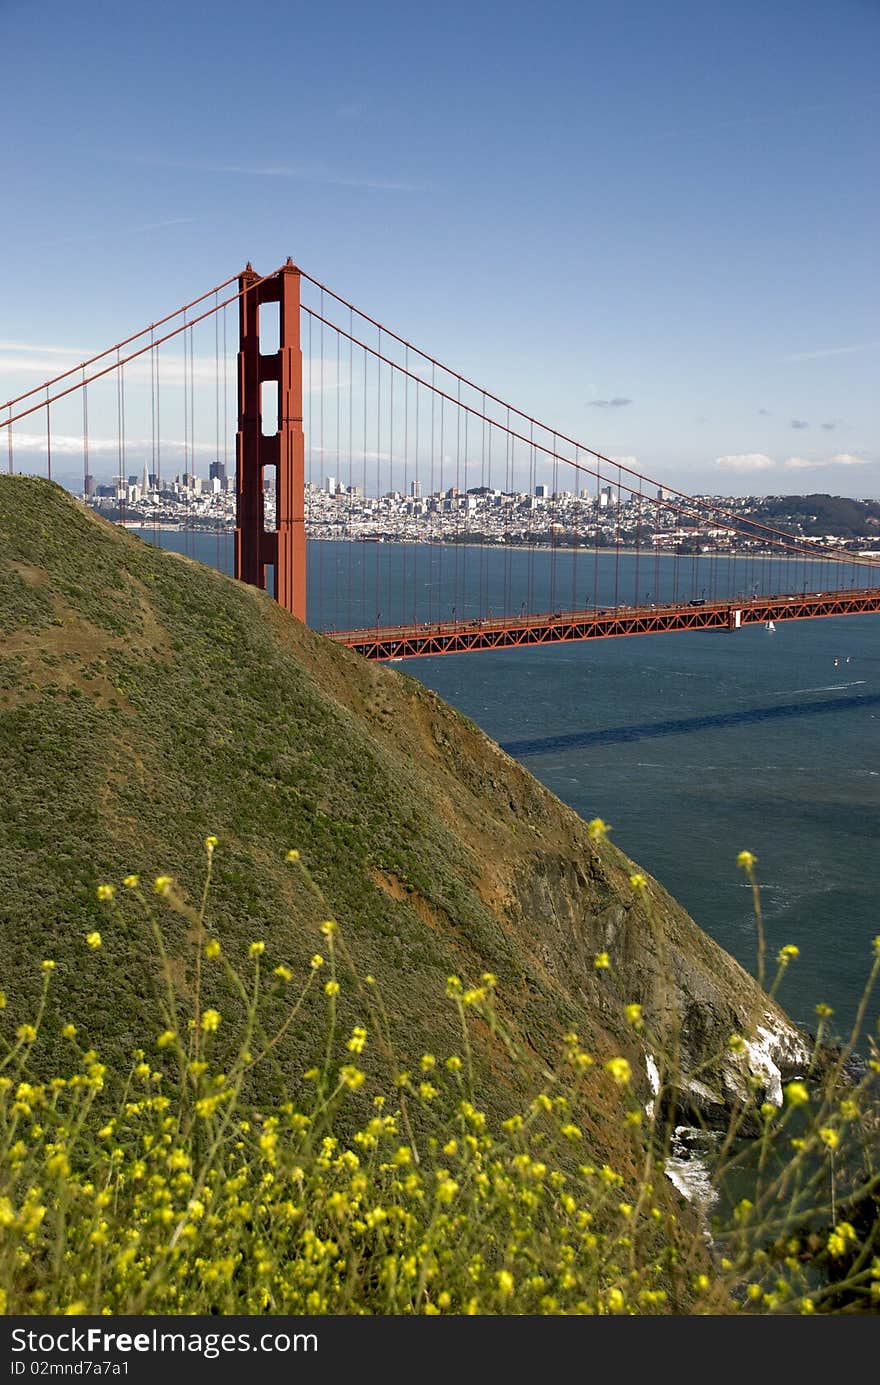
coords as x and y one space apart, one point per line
269 408
270 328
270 499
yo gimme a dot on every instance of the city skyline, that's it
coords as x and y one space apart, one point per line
652 229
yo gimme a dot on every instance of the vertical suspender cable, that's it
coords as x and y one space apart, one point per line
638 541
336 528
216 426
390 612
48 438
228 566
85 399
378 465
350 536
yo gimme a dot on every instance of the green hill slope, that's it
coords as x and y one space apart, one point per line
147 701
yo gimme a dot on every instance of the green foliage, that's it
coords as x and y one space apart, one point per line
395 1196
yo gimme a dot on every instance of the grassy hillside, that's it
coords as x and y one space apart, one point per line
147 701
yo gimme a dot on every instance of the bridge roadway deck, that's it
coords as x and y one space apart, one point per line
466 636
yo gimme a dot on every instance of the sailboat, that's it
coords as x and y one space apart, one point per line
770 625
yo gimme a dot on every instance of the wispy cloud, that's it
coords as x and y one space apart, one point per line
798 423
744 461
759 461
160 225
299 173
764 413
618 402
35 349
136 449
831 424
841 459
45 362
829 351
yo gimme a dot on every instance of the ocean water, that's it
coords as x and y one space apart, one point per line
692 746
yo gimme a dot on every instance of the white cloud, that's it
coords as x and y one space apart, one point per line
744 461
68 445
841 459
304 173
829 351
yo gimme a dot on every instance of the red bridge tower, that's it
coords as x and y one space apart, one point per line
256 547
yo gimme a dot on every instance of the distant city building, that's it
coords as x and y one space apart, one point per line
217 471
330 485
415 490
89 485
542 492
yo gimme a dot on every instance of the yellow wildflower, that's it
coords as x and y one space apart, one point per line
745 860
619 1069
94 939
210 1020
796 1093
351 1077
106 891
616 1301
842 1236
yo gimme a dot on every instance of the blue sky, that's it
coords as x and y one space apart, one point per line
653 226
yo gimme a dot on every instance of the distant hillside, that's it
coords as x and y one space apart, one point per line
147 701
817 515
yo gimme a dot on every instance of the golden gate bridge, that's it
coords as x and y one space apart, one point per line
320 383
